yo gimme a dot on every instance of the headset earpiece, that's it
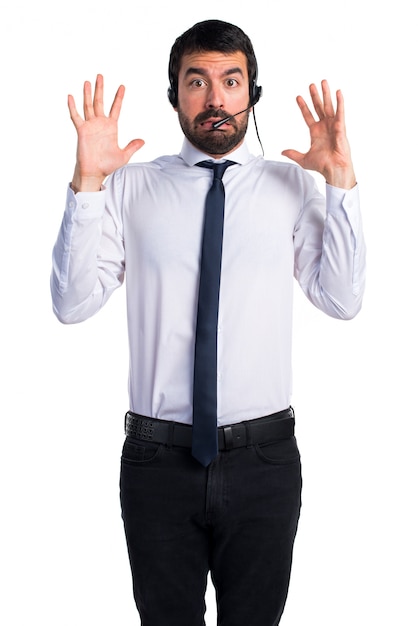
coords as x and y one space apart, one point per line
256 93
172 96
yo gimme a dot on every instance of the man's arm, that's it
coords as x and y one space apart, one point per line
330 254
87 266
88 257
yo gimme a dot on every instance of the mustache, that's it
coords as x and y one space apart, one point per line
213 113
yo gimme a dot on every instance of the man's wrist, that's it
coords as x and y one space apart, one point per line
86 183
343 178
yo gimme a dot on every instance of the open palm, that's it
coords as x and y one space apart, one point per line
329 152
98 151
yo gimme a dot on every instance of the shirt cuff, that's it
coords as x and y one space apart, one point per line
348 200
86 204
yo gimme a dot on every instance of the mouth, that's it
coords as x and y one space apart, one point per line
208 124
207 119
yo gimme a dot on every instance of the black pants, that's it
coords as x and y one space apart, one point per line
237 519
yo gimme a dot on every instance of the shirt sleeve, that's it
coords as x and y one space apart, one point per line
88 257
330 252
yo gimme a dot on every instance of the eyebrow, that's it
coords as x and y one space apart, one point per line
202 72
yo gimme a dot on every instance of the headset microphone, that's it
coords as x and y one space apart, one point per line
226 119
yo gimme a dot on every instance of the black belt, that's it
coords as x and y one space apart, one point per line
262 430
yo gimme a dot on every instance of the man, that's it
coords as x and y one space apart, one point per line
232 509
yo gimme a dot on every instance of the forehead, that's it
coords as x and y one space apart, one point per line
213 63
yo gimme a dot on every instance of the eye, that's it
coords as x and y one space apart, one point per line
231 82
198 83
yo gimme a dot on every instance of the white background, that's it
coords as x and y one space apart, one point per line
63 559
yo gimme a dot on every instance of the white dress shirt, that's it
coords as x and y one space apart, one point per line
145 226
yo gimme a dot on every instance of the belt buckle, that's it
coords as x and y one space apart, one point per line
234 436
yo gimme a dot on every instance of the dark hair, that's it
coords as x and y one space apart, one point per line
208 36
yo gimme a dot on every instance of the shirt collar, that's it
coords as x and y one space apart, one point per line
192 155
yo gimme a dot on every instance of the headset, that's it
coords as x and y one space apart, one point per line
255 94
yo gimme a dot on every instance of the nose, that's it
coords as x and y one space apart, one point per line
214 97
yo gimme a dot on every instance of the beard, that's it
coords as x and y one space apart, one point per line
215 141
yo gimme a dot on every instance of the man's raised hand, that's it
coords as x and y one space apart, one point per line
98 152
329 152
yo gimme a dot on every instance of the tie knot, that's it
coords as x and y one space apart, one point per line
218 168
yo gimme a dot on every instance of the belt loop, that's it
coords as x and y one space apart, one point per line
249 435
229 438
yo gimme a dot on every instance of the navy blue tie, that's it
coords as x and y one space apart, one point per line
205 433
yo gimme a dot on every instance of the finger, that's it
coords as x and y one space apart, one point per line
98 96
307 115
328 106
340 113
316 101
117 103
294 155
132 147
87 103
74 114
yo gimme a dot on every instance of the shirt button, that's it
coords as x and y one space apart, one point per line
85 205
71 205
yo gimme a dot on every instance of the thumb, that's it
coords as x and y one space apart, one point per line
132 147
294 155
